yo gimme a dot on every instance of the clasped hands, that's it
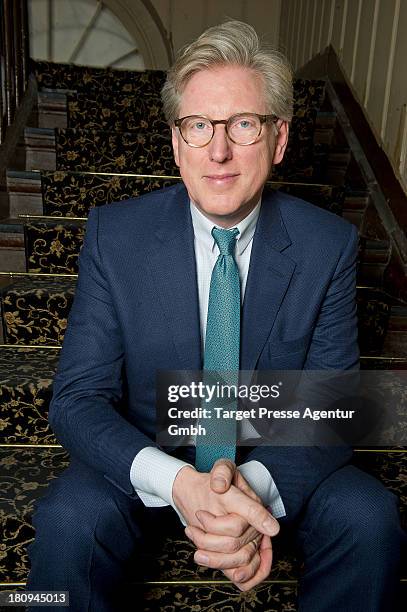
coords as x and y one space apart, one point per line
227 522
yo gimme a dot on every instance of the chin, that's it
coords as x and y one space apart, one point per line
220 209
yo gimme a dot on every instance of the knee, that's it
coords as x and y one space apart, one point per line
362 507
62 514
85 516
70 507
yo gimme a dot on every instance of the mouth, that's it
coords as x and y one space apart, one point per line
220 179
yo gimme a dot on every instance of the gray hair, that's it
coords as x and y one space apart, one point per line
231 43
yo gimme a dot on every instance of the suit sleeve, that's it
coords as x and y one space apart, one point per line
297 471
86 408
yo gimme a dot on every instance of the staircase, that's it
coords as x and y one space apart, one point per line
84 148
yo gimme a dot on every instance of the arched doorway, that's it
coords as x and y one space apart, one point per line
116 33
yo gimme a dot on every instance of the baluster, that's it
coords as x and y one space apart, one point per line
9 60
17 53
14 59
2 76
25 42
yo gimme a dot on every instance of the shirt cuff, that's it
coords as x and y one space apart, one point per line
152 475
260 480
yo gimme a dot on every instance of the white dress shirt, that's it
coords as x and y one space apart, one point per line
153 471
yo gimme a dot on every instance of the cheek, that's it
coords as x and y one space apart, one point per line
188 159
259 165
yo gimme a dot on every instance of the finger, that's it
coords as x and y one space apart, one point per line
248 571
254 512
222 560
241 483
266 559
222 474
228 524
221 543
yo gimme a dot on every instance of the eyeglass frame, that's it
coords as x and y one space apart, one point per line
263 119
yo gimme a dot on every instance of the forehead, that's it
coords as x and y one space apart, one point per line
221 91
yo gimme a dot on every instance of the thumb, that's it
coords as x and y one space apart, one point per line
251 510
222 474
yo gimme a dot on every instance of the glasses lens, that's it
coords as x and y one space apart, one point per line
197 131
244 129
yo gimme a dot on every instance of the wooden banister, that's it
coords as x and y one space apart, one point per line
14 59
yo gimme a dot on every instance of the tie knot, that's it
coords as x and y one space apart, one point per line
225 239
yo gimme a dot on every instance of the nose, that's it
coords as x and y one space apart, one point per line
220 149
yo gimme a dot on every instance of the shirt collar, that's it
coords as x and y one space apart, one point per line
203 228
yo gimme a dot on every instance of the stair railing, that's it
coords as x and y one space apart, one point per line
14 59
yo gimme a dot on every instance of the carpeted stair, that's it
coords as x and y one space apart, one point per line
86 149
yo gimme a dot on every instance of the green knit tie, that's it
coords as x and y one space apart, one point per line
222 347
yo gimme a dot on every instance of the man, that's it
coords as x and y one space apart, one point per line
151 273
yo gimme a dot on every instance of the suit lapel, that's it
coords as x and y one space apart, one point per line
172 263
269 276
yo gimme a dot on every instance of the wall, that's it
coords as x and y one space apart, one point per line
91 32
81 31
186 19
369 37
157 28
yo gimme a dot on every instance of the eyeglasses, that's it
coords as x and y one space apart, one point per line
242 129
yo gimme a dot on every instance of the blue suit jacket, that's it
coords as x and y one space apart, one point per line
136 311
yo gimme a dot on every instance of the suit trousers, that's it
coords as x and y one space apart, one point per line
89 534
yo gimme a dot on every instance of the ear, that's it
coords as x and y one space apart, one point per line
281 142
175 143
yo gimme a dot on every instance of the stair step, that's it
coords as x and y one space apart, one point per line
130 111
53 247
52 75
35 311
26 472
12 258
308 93
53 244
326 119
331 163
26 376
276 593
24 476
39 148
396 336
298 161
374 313
134 112
146 152
125 113
374 258
11 228
24 191
140 153
52 109
398 319
72 194
384 362
12 253
395 342
57 76
355 206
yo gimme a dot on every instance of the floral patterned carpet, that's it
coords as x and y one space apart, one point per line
113 150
